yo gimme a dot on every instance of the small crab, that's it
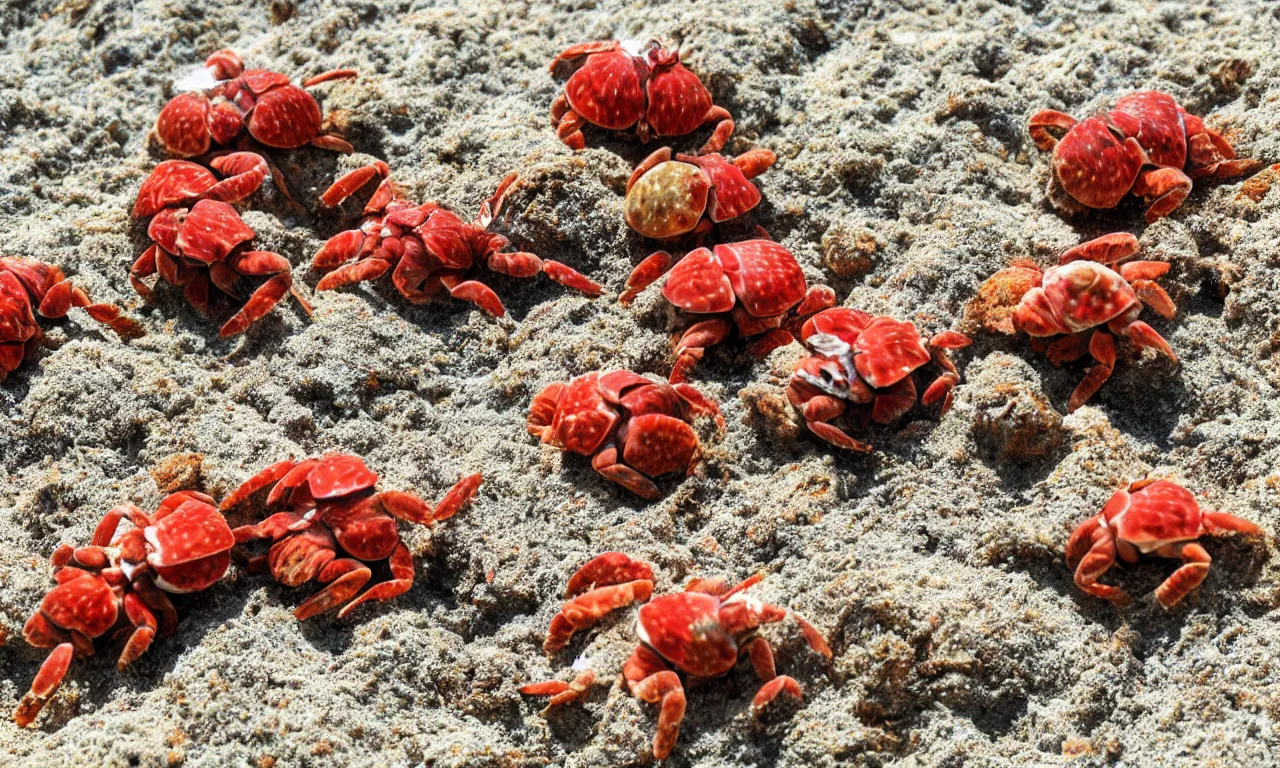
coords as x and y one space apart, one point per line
666 199
616 89
116 587
755 285
430 248
702 632
198 238
27 285
633 428
1149 517
866 362
1100 160
1081 295
276 112
327 506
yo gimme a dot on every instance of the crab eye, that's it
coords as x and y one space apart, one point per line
826 375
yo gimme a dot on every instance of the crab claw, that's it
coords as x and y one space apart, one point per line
46 682
346 186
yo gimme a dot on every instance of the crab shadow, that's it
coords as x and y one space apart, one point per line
96 679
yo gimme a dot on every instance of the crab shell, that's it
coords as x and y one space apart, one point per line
588 415
1158 514
1074 297
189 549
276 112
17 321
87 604
614 90
207 232
882 351
685 628
670 199
760 276
1096 164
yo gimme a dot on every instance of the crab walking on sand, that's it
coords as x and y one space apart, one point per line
27 287
431 249
1150 517
234 102
1147 146
115 588
330 522
701 632
1084 301
650 90
633 428
862 366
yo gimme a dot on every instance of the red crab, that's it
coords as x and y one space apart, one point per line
616 89
1149 517
1081 296
666 199
755 285
27 284
1100 160
276 113
702 632
329 505
866 362
620 416
115 587
198 238
431 248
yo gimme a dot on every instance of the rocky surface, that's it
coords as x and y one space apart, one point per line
905 177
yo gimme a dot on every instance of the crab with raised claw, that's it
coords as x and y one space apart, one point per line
618 89
1147 146
670 199
701 632
116 587
632 427
28 286
271 110
1089 296
431 248
199 240
329 522
755 285
864 365
1150 517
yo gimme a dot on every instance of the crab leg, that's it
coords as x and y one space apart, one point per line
63 296
755 162
724 129
1166 188
1155 297
401 564
1091 551
653 267
46 681
158 602
1108 249
693 345
144 623
349 184
774 339
561 692
649 679
606 569
1181 582
411 509
1102 347
244 173
256 483
1041 122
350 274
586 609
473 291
345 577
257 263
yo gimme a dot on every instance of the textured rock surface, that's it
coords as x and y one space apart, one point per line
905 177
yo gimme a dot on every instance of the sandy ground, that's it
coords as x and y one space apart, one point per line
905 177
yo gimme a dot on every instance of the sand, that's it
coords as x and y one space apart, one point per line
905 177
